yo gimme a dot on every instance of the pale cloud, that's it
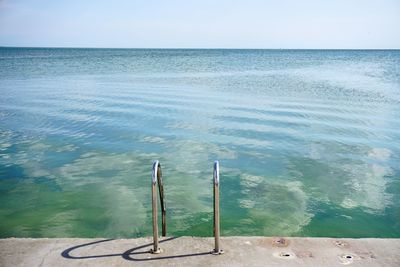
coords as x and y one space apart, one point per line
368 186
282 206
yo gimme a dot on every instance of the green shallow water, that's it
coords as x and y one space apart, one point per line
308 141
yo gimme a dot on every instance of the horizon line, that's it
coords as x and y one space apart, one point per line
193 48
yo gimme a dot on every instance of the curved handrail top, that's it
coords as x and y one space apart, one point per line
154 173
216 172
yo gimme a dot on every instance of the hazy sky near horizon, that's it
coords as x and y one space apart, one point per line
201 24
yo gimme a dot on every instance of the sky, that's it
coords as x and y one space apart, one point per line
312 24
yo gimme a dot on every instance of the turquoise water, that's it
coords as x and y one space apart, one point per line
308 141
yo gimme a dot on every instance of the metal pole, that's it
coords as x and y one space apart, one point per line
162 201
156 168
217 249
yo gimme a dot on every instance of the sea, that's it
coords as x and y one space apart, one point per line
308 141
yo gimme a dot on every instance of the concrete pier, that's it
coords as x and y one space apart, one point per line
194 251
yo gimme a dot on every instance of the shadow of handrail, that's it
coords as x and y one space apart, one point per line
127 255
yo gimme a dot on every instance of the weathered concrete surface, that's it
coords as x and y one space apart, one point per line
191 251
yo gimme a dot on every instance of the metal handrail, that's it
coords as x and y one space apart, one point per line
156 178
217 250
